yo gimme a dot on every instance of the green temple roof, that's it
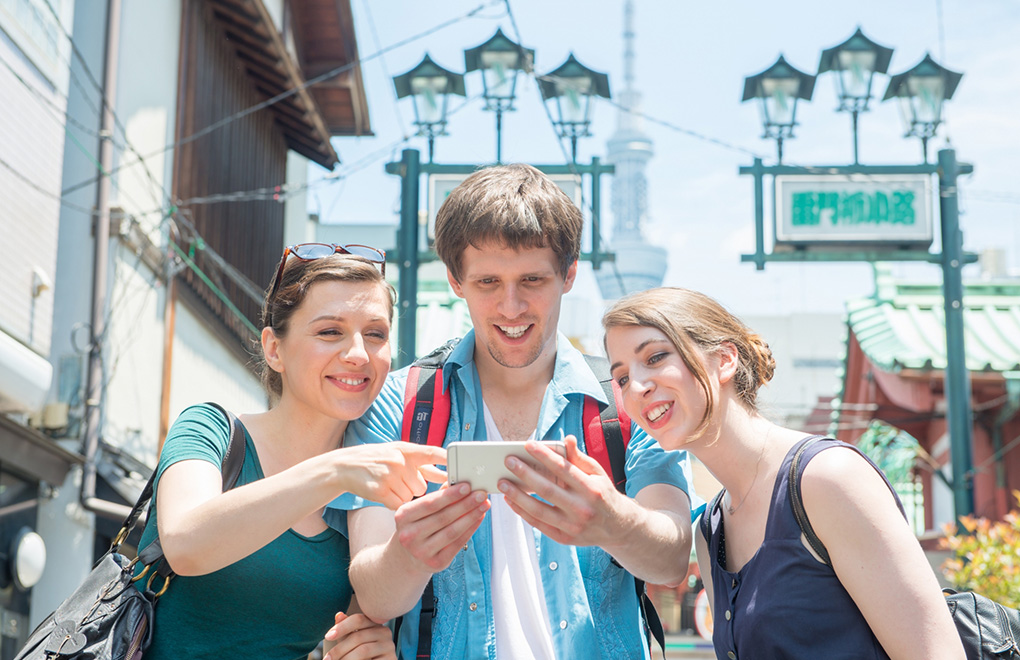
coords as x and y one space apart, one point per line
903 326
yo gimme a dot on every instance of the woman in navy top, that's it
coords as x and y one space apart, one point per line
690 373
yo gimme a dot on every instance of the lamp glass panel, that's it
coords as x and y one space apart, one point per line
575 100
780 100
855 71
430 98
926 94
499 82
499 73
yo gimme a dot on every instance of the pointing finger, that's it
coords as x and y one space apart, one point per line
422 454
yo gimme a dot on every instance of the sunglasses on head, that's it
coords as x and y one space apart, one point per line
313 251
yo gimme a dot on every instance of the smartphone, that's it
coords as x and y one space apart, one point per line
483 463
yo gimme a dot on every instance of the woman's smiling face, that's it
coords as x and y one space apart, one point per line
659 391
336 353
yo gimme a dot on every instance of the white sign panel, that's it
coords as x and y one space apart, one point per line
441 185
884 209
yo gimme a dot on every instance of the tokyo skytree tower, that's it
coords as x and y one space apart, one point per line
638 264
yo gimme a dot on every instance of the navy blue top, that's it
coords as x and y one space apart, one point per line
784 603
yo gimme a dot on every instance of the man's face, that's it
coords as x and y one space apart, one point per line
513 297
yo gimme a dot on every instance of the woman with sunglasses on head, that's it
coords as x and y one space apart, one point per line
259 574
690 373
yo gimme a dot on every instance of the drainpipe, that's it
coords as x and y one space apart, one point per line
94 386
1009 409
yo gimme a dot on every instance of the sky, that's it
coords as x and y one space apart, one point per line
691 60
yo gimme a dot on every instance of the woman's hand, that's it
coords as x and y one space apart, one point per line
356 637
390 473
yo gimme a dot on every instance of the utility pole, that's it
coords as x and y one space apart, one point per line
960 418
100 257
409 169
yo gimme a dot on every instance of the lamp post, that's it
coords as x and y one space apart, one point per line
778 88
571 87
430 87
856 60
499 60
921 91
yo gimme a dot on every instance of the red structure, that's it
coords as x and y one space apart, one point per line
895 367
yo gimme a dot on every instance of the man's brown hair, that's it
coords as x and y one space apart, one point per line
515 206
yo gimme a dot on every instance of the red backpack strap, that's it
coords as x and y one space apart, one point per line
607 427
426 402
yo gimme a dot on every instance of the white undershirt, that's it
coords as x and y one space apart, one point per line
518 601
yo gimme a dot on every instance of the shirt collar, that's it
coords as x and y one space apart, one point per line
571 374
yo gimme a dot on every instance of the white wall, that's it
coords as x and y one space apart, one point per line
133 360
297 228
147 106
203 370
808 349
31 151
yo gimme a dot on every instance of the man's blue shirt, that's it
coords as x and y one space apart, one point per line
592 602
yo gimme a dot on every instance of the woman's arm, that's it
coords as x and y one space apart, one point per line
877 558
202 529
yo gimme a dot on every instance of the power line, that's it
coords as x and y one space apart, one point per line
35 186
294 90
108 107
679 129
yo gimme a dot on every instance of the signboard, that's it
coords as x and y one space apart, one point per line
441 185
883 210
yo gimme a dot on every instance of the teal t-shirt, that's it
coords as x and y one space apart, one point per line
275 604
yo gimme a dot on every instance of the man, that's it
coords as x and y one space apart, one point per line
517 576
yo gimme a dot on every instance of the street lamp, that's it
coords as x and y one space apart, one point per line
572 87
430 86
499 59
921 91
856 60
778 88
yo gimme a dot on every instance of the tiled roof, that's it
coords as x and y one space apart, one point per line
903 326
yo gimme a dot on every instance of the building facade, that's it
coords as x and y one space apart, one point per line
190 128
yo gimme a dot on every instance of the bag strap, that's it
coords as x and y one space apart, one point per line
230 470
607 427
797 501
425 399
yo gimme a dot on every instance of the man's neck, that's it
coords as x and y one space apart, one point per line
493 376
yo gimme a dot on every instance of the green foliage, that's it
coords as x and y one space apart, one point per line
892 450
986 557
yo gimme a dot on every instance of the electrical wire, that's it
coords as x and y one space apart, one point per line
35 186
294 90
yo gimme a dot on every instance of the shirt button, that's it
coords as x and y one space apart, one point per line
731 655
467 427
553 566
473 606
734 583
727 615
563 625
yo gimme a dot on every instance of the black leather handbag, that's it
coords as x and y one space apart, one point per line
989 630
107 617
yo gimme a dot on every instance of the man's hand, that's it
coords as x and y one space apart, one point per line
582 506
356 637
390 473
435 527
